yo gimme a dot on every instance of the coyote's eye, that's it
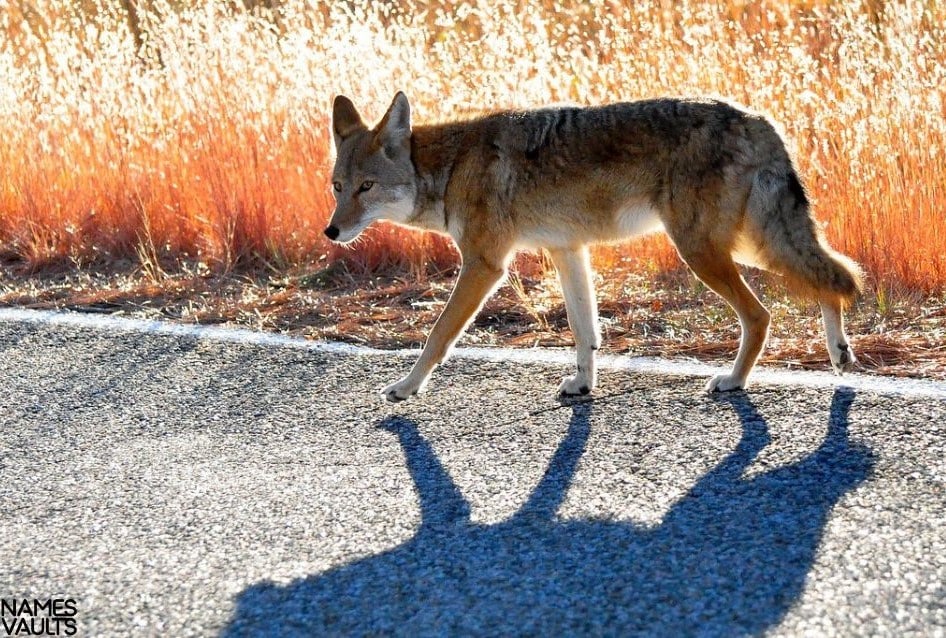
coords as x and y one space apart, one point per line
337 186
365 186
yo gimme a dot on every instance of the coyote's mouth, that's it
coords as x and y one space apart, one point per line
345 235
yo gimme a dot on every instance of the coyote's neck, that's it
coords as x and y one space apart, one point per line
434 152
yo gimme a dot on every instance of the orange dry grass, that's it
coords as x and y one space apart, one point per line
167 134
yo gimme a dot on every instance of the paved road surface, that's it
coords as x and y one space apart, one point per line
176 485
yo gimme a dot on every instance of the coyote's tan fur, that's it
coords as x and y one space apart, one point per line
716 178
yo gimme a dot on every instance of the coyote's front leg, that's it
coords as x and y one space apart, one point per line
574 272
476 281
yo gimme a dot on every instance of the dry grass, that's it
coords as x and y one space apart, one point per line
171 134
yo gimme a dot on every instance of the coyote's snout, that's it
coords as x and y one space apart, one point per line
714 177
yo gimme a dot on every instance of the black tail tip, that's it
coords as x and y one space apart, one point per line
332 233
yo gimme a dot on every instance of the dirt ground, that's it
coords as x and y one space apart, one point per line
669 315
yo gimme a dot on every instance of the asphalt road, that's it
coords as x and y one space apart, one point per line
175 485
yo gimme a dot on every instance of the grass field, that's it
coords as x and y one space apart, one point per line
169 134
166 138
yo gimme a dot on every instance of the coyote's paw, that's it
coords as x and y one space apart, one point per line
574 386
725 383
403 389
842 358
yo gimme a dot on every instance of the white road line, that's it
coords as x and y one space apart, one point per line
882 385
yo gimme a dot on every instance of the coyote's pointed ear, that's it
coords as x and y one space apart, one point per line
394 129
345 119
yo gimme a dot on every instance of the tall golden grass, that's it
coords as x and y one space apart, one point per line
171 132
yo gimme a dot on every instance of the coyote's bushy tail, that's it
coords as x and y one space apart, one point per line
793 244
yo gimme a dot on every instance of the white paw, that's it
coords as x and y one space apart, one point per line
842 358
725 383
575 386
403 389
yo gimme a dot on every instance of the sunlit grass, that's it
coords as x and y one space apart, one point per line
165 134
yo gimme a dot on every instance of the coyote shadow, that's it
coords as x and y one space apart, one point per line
729 558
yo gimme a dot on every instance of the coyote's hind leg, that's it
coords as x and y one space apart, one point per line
842 356
718 271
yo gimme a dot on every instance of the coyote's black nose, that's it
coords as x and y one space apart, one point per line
332 233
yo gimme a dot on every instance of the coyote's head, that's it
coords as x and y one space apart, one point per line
373 176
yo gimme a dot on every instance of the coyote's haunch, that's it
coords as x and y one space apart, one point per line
717 179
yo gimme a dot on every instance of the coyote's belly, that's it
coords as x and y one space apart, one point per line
636 218
574 227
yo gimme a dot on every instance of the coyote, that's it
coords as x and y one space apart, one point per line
716 178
